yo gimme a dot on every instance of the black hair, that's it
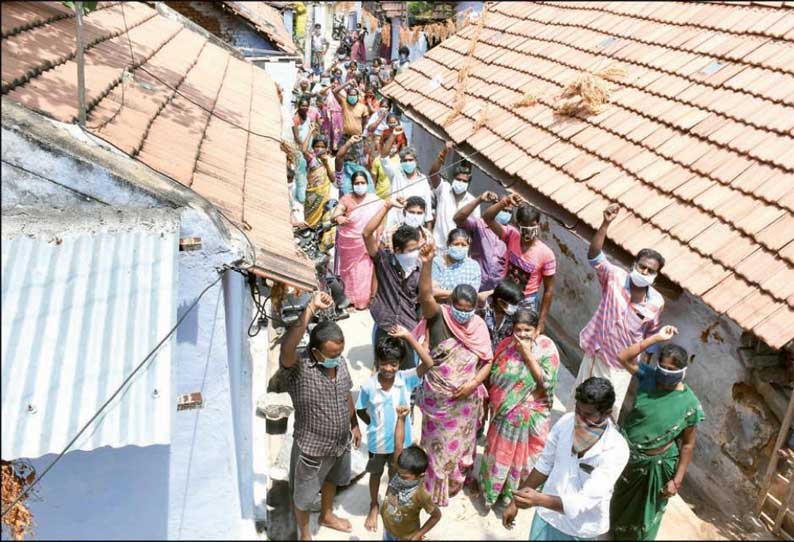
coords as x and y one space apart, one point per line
356 174
319 138
458 233
526 315
317 25
352 90
404 235
416 201
461 170
303 99
403 50
465 292
677 354
526 214
413 459
652 254
325 332
390 349
394 116
507 290
598 392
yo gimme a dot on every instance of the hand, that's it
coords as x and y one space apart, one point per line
341 220
525 498
320 301
667 333
513 199
427 253
465 390
509 515
611 212
399 332
356 437
354 139
417 536
489 197
398 130
401 201
402 411
669 489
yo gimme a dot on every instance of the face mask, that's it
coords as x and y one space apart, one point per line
407 260
458 253
459 187
510 310
503 217
640 280
530 233
403 58
403 489
666 378
584 435
461 317
409 167
330 363
352 100
360 189
414 220
524 336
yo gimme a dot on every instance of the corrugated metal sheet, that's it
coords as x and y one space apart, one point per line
78 316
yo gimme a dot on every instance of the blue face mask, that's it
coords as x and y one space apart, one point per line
461 317
665 378
503 217
458 253
330 363
352 100
409 167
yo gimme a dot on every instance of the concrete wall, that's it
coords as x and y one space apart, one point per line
200 488
731 441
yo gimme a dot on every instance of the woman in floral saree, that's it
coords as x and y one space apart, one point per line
660 431
452 392
520 394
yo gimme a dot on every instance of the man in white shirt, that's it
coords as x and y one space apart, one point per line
450 196
584 456
406 180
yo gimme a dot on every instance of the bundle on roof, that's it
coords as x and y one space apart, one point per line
589 92
463 74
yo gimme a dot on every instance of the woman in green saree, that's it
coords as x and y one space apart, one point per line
665 412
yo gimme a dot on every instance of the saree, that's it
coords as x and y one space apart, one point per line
332 121
449 426
352 261
318 192
658 418
520 416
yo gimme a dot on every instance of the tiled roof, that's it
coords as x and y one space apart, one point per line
236 165
268 20
394 9
696 144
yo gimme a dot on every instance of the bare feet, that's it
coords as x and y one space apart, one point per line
454 488
371 523
332 521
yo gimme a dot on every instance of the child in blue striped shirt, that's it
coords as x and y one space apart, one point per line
377 406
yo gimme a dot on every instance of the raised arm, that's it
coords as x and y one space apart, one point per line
435 169
399 433
372 241
628 357
342 152
386 147
490 214
464 212
304 145
289 346
424 356
338 91
429 305
597 242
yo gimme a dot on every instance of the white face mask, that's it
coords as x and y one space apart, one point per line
408 260
459 187
414 220
510 310
360 189
640 280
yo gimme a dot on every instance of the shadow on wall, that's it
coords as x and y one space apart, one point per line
105 494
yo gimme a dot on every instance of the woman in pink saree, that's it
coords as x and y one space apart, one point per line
452 393
332 117
352 261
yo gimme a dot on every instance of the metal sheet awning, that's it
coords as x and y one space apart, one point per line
80 311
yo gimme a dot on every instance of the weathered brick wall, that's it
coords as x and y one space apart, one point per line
227 26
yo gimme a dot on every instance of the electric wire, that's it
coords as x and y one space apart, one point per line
44 177
110 399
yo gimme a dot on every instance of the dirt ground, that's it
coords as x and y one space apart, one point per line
465 518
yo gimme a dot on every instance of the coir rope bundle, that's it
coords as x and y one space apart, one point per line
589 92
463 74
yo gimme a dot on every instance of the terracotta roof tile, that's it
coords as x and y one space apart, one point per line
159 116
268 20
694 142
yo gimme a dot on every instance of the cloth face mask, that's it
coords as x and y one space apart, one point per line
460 316
584 435
414 220
407 260
458 253
640 280
503 217
459 187
360 189
667 378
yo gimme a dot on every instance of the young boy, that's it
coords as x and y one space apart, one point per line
406 494
377 405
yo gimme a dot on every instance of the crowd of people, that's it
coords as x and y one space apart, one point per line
460 299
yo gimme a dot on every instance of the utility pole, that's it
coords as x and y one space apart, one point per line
78 6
